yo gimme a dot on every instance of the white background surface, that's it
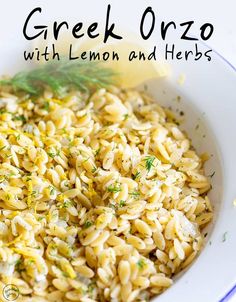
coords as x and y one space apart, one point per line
222 14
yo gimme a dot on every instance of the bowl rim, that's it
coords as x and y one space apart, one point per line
227 288
230 293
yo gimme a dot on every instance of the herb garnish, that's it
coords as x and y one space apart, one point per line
126 116
52 190
134 194
46 106
66 204
136 175
114 188
52 154
18 266
141 263
19 118
97 151
122 203
87 224
224 236
94 169
149 162
61 75
91 288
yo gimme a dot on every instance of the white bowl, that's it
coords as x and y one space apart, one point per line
208 99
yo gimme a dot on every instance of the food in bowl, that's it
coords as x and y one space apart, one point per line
102 196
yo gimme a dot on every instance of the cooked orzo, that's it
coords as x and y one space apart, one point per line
102 197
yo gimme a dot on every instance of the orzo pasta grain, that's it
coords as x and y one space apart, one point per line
102 197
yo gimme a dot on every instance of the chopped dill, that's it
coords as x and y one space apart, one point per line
126 116
149 162
19 118
18 266
91 288
141 263
97 151
224 236
65 274
94 170
53 154
134 194
52 190
136 175
40 218
46 106
66 204
122 203
86 159
87 224
114 188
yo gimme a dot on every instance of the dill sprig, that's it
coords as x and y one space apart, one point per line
61 75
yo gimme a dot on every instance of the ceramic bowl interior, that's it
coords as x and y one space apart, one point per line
194 123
